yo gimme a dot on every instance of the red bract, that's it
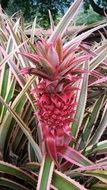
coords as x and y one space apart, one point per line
59 70
55 110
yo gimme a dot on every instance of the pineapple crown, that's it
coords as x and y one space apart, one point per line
55 63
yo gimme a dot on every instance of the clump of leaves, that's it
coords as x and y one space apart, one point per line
33 152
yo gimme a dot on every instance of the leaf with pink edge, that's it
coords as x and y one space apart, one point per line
82 98
45 174
51 148
101 128
52 57
78 39
73 156
65 21
62 182
101 80
59 47
99 174
32 57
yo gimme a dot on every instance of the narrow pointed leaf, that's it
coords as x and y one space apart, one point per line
101 128
11 184
33 31
97 166
12 53
84 35
74 156
25 130
63 182
63 24
99 174
51 20
8 97
101 80
15 171
97 148
92 119
45 174
81 103
98 59
17 105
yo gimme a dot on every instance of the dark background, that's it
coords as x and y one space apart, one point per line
39 8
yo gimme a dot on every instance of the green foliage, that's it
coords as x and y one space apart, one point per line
39 8
88 17
102 3
86 5
24 7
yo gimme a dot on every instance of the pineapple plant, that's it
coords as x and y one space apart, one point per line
55 94
52 120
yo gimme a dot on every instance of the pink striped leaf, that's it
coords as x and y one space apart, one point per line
101 80
73 156
45 174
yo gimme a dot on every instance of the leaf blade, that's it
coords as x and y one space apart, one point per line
45 174
63 182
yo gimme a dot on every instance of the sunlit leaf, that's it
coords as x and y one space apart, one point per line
81 103
63 182
63 24
45 174
97 148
